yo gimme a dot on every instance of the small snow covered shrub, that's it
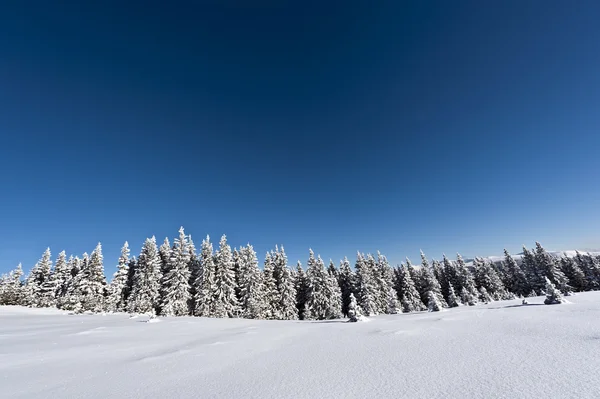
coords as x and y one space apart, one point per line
354 310
553 295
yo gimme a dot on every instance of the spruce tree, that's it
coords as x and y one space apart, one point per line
366 287
535 276
117 298
384 279
451 274
487 277
516 277
252 299
354 310
301 285
346 283
238 272
433 303
271 293
547 267
175 287
145 294
575 276
409 296
204 284
466 282
287 296
440 275
195 271
37 276
13 292
452 299
467 297
165 255
92 282
318 300
62 275
430 283
484 296
331 269
71 299
553 295
393 307
591 269
225 302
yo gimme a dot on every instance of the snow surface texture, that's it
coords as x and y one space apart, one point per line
501 350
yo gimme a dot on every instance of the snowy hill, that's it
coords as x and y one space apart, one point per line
500 350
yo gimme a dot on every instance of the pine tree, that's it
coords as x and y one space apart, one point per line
393 307
195 271
38 275
318 301
433 303
346 282
535 276
384 280
331 269
354 310
546 264
409 296
484 296
591 269
252 299
440 275
175 287
430 283
238 272
145 294
516 277
553 295
366 287
487 277
204 284
164 252
224 294
575 276
279 260
287 296
71 299
451 274
62 275
467 297
301 285
271 293
12 290
92 282
466 282
117 298
47 295
452 299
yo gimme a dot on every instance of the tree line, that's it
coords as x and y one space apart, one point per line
178 280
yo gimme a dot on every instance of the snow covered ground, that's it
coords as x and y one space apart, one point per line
500 350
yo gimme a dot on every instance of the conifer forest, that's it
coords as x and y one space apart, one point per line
179 279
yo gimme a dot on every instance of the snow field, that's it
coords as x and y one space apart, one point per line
499 350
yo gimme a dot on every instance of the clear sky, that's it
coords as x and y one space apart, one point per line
462 126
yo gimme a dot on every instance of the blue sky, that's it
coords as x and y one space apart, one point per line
350 126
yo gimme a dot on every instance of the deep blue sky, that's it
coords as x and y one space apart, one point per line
448 126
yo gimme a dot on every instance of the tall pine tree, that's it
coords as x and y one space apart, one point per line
145 293
175 287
